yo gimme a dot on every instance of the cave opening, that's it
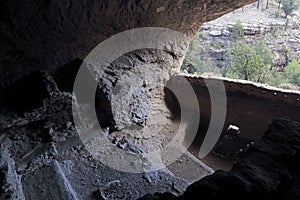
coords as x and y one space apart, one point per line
163 134
252 43
250 50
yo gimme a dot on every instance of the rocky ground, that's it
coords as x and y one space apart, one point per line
42 156
267 170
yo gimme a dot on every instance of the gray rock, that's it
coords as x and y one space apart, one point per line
10 182
226 33
215 33
264 171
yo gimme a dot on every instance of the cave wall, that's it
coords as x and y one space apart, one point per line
47 34
267 170
250 106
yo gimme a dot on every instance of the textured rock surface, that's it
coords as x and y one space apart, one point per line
250 106
42 139
48 34
42 157
269 170
248 103
60 33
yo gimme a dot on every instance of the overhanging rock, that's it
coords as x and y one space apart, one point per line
45 35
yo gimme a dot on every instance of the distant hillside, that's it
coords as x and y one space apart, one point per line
282 36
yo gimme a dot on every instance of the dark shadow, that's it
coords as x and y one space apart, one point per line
65 76
26 94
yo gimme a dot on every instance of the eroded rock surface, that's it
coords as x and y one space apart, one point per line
45 35
251 107
42 157
44 141
269 170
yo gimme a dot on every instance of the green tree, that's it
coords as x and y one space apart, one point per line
263 50
274 78
289 78
193 62
292 73
237 30
289 7
248 62
192 58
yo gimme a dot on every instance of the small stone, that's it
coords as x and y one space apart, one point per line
226 33
215 33
147 178
68 125
123 144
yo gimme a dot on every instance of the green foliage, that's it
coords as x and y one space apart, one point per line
192 59
248 62
289 7
286 49
237 30
289 86
292 73
275 31
201 34
287 79
274 78
193 62
264 52
243 60
286 24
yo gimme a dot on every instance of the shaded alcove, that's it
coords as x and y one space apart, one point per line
68 38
